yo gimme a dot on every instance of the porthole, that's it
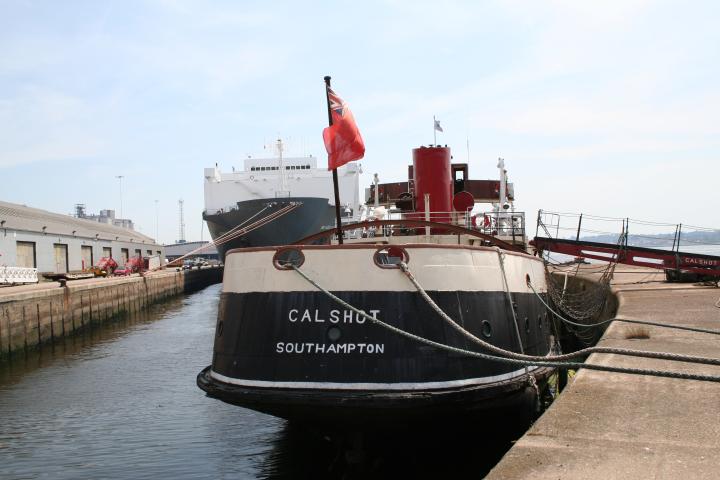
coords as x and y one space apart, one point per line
527 325
540 321
287 258
334 334
527 279
220 328
486 329
390 257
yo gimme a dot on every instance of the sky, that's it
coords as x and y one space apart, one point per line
609 108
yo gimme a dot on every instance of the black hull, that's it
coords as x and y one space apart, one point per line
382 410
309 217
274 352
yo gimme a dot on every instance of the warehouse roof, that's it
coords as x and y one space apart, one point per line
180 249
22 217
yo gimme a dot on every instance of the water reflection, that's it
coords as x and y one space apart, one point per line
429 453
120 401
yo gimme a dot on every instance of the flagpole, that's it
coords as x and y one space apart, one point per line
434 131
335 175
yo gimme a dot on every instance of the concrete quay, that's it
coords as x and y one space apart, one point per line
31 315
621 426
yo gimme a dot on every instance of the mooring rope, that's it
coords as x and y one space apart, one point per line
511 305
233 233
561 357
506 287
511 361
625 320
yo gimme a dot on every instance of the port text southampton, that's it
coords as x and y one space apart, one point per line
296 347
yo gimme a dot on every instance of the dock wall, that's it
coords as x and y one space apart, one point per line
608 425
38 314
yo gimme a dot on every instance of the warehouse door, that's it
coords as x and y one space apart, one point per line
87 256
107 252
124 255
61 258
26 254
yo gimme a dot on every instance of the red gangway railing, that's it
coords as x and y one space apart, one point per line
672 260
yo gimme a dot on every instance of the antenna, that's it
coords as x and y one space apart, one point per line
182 222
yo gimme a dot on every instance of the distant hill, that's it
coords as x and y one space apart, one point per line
660 239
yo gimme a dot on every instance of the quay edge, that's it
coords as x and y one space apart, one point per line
32 315
612 425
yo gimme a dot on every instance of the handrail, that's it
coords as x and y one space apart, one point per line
411 224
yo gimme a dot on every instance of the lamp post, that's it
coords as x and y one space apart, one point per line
120 177
156 222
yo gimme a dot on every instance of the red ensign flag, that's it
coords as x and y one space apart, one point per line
342 139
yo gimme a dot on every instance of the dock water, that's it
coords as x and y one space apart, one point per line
612 425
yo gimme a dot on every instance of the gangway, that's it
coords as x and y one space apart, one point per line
673 262
676 264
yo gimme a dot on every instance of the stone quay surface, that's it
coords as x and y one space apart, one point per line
621 426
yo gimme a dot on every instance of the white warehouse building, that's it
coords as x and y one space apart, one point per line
56 243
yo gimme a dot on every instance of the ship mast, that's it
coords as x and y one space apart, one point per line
503 184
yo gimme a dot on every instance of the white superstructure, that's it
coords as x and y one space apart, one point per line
280 178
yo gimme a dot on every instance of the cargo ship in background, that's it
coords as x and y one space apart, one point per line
276 201
285 347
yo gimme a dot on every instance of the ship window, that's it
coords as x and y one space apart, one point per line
286 258
486 329
390 257
334 334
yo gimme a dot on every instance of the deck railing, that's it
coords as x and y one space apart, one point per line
509 226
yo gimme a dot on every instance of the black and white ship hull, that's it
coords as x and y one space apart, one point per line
309 216
284 348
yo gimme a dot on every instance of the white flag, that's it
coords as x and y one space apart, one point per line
437 126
